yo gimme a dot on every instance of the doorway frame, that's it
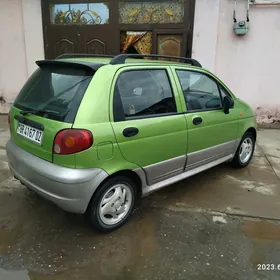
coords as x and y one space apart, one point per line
186 28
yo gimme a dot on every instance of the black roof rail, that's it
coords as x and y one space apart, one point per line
73 55
120 59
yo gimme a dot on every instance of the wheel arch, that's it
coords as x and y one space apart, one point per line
126 173
253 131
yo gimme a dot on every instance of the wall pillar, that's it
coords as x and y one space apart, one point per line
33 33
205 35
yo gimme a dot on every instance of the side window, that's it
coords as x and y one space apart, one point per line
200 91
144 92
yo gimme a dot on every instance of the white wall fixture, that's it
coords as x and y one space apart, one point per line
241 27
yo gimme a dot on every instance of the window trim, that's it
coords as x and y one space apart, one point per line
153 116
211 78
221 87
118 113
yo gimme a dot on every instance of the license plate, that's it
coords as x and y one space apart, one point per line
30 133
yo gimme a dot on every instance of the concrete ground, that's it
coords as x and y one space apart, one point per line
221 224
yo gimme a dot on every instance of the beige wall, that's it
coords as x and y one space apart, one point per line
13 69
205 34
249 64
33 31
21 43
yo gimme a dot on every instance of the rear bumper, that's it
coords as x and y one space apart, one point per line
70 189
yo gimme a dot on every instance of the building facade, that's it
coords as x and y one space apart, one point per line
203 29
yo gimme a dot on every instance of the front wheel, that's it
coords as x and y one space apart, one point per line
112 204
245 150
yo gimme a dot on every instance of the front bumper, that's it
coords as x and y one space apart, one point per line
70 189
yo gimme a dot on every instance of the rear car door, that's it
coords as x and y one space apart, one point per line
211 133
148 122
48 103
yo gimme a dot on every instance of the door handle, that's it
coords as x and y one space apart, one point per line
130 131
197 120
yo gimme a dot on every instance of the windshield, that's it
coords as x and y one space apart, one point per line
54 92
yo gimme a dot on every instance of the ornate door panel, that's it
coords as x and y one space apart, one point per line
97 40
96 46
170 42
78 26
169 45
151 12
62 40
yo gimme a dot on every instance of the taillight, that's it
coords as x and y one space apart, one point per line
70 141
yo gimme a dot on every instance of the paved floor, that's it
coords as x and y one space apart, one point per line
220 224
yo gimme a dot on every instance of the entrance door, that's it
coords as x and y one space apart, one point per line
76 26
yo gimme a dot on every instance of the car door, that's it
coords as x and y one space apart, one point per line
211 133
149 126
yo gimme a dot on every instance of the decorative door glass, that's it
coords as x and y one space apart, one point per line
169 11
83 14
136 42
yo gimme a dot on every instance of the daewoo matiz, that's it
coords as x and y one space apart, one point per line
93 134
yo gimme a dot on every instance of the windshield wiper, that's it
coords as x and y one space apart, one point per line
49 112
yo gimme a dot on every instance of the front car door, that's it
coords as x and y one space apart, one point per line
148 122
212 134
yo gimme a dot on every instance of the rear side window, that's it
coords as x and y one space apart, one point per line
141 93
54 92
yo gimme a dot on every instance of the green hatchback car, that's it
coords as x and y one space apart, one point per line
93 134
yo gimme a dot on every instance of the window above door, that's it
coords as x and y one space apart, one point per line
80 14
151 12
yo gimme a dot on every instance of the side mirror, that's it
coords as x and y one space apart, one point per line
228 104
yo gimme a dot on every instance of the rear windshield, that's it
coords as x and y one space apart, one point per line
54 92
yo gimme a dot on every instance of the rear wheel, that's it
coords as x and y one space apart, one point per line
245 151
112 204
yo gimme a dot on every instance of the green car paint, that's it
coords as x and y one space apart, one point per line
214 122
158 134
161 138
45 150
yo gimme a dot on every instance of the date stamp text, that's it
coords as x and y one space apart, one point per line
268 266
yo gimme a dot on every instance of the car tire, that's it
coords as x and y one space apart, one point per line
245 151
112 204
